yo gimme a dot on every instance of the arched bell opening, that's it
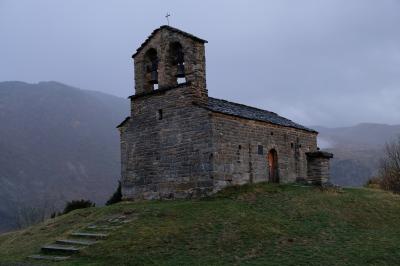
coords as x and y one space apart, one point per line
151 68
177 59
273 175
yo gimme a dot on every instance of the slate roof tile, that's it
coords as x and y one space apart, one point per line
244 111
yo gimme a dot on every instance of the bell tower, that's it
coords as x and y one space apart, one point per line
170 58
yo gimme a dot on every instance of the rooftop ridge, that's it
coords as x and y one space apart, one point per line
252 113
171 29
243 105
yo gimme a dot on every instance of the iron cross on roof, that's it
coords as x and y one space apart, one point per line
167 17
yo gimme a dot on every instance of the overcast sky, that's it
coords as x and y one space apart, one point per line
331 62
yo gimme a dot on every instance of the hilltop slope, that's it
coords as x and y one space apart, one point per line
263 224
57 143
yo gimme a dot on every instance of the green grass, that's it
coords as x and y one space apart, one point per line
261 224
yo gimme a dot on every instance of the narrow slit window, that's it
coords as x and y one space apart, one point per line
260 150
160 114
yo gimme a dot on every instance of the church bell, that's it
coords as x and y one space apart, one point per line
181 71
154 72
154 77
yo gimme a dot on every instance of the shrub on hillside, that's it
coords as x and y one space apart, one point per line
389 172
374 182
116 197
55 214
77 204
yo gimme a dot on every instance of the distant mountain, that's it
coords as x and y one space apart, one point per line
357 150
57 143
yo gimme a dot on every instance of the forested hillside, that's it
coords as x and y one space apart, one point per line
56 143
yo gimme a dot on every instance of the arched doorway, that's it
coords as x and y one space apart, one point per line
273 166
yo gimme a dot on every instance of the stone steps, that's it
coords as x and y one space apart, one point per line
57 248
103 228
81 242
48 257
96 236
62 249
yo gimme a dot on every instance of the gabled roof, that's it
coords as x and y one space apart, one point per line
244 111
248 112
171 29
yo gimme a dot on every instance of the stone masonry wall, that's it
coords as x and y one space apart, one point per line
318 167
168 157
318 171
241 148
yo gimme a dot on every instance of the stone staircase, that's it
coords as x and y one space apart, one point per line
63 248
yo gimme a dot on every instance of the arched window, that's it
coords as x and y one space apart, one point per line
177 59
151 67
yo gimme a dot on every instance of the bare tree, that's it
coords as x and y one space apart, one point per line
389 171
27 216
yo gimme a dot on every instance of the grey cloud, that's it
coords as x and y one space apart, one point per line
333 63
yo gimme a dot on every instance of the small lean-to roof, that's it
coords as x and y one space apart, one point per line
184 33
248 112
123 122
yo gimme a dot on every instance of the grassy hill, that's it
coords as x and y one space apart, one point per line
261 224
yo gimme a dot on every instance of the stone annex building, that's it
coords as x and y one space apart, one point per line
179 143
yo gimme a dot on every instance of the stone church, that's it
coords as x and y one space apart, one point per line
180 143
